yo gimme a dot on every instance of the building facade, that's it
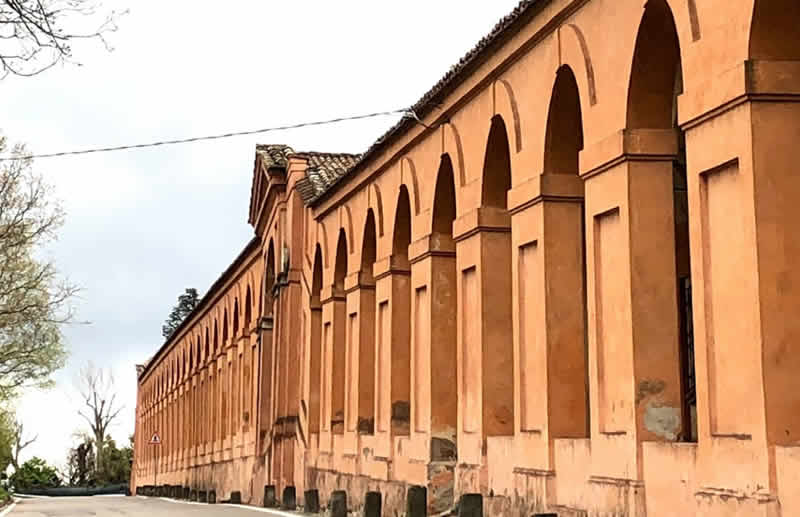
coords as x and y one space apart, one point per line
565 284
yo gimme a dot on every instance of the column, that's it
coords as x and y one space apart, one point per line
392 353
551 392
360 360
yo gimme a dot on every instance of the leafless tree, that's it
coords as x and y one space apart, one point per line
19 443
36 34
96 386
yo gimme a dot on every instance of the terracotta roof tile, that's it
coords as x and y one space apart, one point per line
324 170
274 155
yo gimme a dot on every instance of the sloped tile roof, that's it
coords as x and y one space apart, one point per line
324 170
274 155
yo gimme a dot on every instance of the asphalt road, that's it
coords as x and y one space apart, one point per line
120 506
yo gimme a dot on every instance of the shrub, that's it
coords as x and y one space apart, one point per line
35 473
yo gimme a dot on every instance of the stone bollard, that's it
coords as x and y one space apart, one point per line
311 498
470 505
236 497
289 498
193 495
202 496
269 496
212 497
372 504
338 504
187 492
417 502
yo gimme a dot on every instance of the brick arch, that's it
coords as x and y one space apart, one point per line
451 144
369 242
445 168
269 277
408 177
657 60
564 134
215 335
226 331
403 196
349 227
376 203
576 53
236 316
657 48
198 349
341 263
207 346
506 105
496 178
258 289
248 309
323 243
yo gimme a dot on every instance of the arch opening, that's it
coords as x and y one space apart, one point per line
656 82
494 340
400 391
216 337
366 343
564 136
235 317
248 309
444 315
224 378
338 380
497 167
269 280
565 285
315 336
775 30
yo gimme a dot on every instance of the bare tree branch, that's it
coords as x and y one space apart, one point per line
36 34
19 444
96 387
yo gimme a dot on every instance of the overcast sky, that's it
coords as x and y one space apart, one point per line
143 225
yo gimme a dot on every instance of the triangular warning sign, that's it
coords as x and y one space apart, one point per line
155 440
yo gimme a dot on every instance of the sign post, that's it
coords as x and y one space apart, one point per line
155 440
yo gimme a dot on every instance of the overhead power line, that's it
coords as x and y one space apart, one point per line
405 111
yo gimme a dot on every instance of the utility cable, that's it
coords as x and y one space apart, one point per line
406 112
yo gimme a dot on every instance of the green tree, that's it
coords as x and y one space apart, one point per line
81 462
34 301
35 473
116 468
186 304
7 439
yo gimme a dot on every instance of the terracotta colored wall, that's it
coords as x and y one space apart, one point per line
514 330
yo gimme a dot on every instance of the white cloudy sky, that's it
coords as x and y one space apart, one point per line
143 225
